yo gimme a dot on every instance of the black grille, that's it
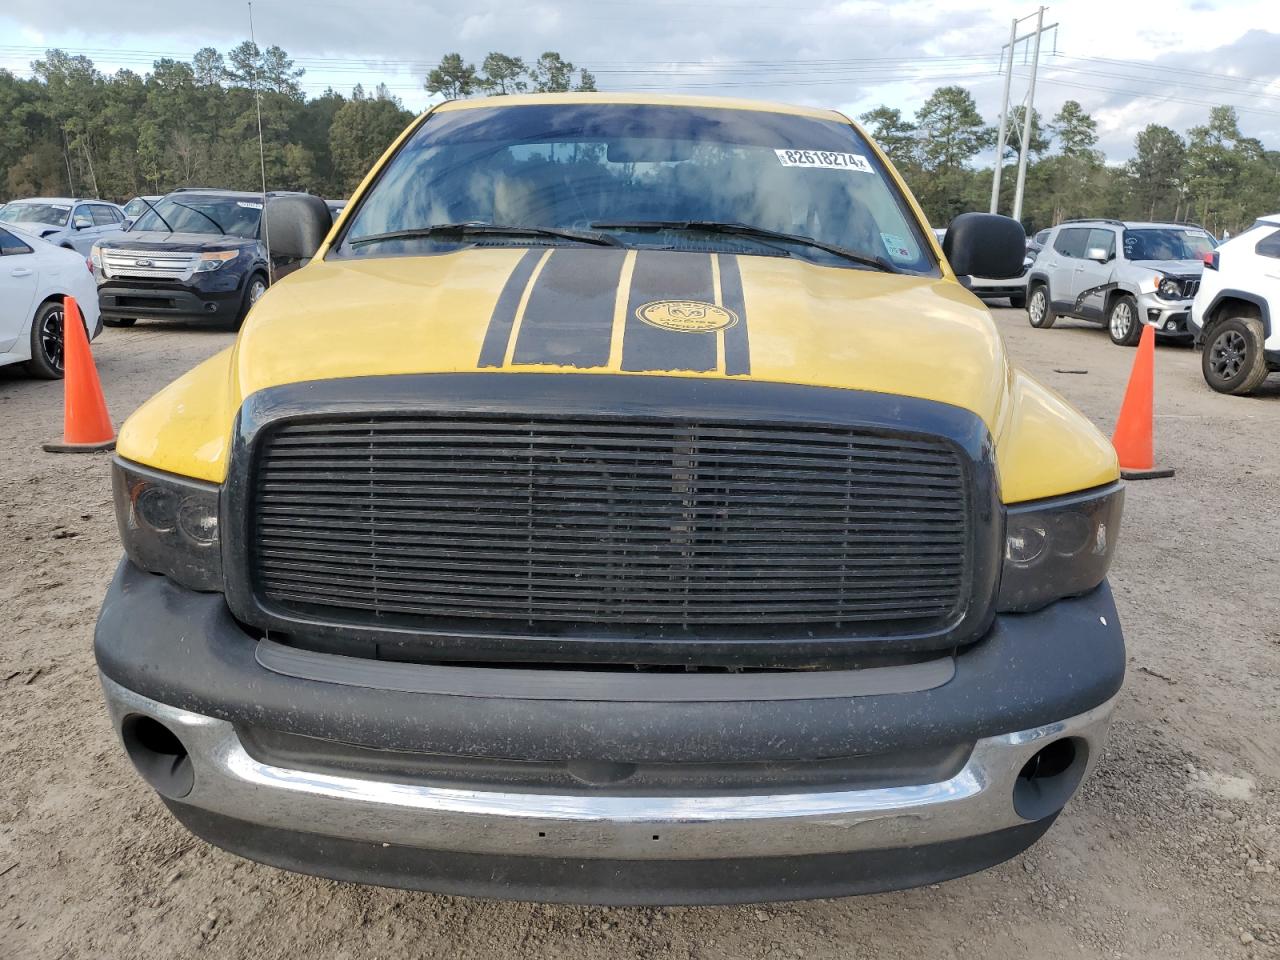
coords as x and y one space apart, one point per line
644 527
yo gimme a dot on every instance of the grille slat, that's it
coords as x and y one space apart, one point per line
295 543
635 492
502 523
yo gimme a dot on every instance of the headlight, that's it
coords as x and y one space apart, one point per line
1169 288
1058 548
213 261
95 256
169 524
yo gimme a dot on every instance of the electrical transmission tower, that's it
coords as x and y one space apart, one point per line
1028 111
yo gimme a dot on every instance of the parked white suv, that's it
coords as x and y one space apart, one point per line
1235 308
65 221
1121 274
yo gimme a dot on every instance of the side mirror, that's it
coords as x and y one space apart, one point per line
295 226
1097 253
985 245
81 222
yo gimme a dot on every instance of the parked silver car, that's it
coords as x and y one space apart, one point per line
1121 274
76 224
139 205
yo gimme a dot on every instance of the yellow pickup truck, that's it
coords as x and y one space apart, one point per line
627 503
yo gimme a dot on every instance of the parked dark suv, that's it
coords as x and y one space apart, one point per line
195 254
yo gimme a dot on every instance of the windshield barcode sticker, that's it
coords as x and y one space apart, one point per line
824 160
248 205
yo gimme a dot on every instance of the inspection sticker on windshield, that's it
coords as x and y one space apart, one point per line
824 160
896 247
248 204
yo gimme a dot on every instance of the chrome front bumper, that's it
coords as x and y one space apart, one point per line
976 801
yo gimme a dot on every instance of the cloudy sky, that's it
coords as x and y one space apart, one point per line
1130 63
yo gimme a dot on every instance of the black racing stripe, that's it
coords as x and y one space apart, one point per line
667 275
737 344
568 320
494 349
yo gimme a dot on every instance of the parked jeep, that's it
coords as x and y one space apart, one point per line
1237 309
196 254
1121 274
625 504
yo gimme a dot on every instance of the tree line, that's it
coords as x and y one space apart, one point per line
72 129
1214 175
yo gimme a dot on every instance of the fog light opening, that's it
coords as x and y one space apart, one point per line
1047 780
158 755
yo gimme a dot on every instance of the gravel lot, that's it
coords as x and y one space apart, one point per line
1171 851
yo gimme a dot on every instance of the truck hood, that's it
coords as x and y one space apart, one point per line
653 314
573 309
158 240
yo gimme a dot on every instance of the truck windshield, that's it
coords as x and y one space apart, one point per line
640 175
1166 243
53 214
193 213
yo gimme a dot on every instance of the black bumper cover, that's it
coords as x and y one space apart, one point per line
119 301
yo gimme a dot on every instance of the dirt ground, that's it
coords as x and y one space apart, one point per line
1171 851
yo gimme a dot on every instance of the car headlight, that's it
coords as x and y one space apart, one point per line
1058 548
95 256
215 260
1169 288
169 524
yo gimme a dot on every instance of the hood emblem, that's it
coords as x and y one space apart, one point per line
144 262
686 316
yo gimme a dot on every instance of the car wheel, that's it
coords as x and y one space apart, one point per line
1039 309
1017 300
1123 323
46 342
119 321
253 292
1233 360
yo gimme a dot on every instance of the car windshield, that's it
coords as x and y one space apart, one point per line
1166 243
135 207
645 176
196 213
53 214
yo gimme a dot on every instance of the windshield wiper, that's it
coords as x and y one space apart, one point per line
188 206
487 229
755 233
158 213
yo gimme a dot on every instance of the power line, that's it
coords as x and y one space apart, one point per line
648 76
1148 95
1200 87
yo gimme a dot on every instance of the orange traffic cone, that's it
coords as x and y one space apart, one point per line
1132 439
86 426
